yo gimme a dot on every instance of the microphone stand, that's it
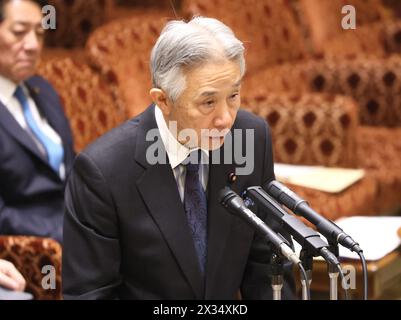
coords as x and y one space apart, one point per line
277 275
307 261
333 272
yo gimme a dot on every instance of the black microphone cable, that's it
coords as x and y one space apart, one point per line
365 275
305 277
343 284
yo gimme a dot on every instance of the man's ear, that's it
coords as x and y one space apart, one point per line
160 98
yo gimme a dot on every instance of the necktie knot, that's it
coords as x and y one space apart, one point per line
21 96
193 160
54 151
191 167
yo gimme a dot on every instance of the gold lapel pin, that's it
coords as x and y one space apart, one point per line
232 177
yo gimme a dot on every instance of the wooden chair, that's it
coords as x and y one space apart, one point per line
91 103
38 260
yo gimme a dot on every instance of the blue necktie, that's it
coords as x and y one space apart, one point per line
55 152
195 205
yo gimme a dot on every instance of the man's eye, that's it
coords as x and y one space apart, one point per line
234 96
209 103
19 33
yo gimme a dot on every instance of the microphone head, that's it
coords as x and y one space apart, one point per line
226 194
274 188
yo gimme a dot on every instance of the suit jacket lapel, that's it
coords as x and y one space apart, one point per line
49 111
11 125
160 193
53 115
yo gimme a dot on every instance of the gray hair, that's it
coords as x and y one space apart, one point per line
188 44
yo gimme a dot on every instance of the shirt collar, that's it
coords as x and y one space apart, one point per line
176 152
7 89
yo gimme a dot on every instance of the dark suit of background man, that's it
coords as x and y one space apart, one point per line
136 229
35 139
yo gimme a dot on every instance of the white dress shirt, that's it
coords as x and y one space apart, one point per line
177 153
7 98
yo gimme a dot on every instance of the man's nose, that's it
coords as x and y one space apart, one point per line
32 41
223 117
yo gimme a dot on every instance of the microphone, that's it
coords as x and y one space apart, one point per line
301 207
308 238
235 205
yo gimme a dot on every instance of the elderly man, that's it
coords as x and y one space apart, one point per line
35 138
143 218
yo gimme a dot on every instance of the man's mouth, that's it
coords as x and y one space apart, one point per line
216 137
27 62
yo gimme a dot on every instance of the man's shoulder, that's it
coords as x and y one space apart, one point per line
115 140
248 120
43 88
40 83
118 141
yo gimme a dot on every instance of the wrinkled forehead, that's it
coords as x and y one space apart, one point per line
220 73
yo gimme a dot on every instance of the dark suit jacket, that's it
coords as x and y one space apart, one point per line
31 193
126 234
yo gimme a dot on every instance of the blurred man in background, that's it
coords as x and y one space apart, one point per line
35 137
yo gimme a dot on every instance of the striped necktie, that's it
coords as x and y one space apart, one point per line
55 152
